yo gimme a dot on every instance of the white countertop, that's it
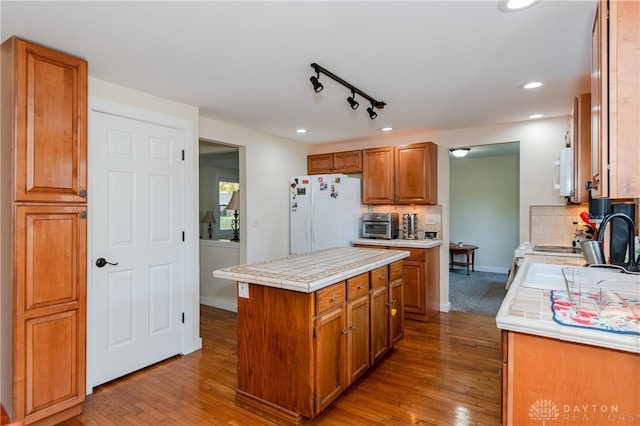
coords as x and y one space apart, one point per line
398 242
308 272
528 310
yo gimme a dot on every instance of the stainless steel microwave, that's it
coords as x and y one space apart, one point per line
380 225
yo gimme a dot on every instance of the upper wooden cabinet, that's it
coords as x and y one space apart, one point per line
49 92
579 138
405 174
615 100
335 162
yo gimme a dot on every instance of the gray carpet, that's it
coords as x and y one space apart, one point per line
479 293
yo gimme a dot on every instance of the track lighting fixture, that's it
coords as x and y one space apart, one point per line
317 87
372 113
352 101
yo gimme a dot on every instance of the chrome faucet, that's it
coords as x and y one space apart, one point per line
632 265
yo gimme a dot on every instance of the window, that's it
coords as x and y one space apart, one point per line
226 186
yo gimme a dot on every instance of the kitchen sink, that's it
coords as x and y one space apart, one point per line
548 276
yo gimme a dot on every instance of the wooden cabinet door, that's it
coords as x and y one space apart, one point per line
377 176
320 164
599 104
396 312
581 141
416 174
415 299
432 281
379 317
50 128
330 350
50 309
357 338
347 162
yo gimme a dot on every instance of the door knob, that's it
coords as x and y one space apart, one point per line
101 262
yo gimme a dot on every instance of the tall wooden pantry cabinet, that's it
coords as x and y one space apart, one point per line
44 232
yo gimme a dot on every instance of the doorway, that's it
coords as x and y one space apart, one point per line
484 212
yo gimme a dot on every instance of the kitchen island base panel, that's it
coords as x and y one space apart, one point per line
267 410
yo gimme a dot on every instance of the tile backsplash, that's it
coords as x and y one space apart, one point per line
554 225
429 216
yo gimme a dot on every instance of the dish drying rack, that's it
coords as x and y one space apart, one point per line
591 298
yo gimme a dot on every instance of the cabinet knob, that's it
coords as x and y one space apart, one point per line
344 331
83 193
353 327
333 298
361 286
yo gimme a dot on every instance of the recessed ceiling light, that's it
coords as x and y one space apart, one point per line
301 131
532 85
534 116
515 5
386 129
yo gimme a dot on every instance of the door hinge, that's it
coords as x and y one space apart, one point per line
183 317
314 333
315 400
182 236
183 155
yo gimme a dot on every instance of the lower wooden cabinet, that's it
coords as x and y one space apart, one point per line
49 339
566 383
298 352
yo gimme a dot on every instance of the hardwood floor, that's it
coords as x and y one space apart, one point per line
444 372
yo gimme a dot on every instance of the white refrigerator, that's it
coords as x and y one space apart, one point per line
324 211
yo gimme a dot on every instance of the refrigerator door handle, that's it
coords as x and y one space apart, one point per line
312 215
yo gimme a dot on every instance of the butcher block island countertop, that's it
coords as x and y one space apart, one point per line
308 272
311 324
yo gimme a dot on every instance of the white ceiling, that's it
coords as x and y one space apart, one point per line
437 64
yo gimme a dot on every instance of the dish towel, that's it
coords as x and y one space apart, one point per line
606 311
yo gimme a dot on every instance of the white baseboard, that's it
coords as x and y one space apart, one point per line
445 307
494 269
220 304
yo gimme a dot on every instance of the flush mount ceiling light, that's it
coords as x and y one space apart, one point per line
460 152
534 116
317 87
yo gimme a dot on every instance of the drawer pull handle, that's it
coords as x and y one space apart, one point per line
353 327
381 277
344 331
333 298
361 286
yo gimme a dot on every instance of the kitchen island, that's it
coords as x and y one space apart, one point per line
311 324
571 374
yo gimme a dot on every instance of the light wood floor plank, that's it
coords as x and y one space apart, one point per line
444 372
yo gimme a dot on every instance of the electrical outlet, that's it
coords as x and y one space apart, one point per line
243 290
255 221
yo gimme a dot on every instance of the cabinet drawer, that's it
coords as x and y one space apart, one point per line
416 254
330 297
357 286
380 276
395 270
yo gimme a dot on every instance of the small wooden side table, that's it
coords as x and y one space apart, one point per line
467 250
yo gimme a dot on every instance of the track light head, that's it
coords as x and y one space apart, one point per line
352 101
317 86
372 113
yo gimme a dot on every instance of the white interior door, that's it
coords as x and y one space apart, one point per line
137 224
